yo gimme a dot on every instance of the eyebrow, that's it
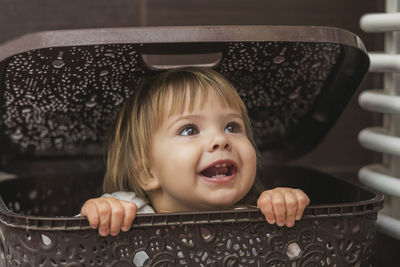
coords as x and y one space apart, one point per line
199 117
184 117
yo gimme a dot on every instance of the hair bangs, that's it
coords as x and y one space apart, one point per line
192 90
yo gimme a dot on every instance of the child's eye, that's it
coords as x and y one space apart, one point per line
233 127
189 130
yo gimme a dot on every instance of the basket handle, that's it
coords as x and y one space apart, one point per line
167 56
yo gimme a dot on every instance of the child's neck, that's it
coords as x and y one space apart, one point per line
162 204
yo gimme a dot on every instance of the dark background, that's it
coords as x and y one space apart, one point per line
339 154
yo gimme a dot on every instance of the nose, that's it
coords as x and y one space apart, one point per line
220 141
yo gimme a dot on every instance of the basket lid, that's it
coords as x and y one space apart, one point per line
60 90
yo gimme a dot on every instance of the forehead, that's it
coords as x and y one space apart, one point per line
188 100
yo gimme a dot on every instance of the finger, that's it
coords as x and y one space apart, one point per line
105 217
264 203
291 207
89 210
117 215
130 214
279 206
303 201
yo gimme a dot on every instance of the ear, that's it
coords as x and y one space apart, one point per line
149 181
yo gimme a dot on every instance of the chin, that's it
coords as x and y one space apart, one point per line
224 202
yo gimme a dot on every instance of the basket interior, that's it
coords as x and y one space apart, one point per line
63 195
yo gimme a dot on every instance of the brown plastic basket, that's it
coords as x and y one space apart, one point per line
339 234
61 89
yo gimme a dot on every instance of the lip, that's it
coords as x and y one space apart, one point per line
222 180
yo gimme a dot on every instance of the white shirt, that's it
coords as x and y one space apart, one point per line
142 205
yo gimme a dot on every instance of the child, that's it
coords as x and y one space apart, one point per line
183 142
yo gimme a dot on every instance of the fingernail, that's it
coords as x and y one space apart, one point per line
270 220
103 232
125 228
289 224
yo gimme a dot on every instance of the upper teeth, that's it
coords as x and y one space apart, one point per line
218 176
221 165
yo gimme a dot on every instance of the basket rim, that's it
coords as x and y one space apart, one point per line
15 220
179 34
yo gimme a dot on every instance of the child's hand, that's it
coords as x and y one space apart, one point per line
109 214
283 205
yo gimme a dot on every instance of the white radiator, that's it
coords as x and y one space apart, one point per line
385 176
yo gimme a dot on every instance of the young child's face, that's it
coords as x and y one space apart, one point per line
201 160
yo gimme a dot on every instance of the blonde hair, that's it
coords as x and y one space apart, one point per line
128 155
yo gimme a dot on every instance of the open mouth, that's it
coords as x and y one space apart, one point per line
219 170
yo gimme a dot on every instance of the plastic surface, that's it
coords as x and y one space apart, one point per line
339 234
59 96
60 91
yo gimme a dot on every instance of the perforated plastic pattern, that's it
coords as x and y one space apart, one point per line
60 90
339 234
63 98
320 242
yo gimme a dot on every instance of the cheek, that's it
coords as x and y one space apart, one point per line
249 158
175 160
187 163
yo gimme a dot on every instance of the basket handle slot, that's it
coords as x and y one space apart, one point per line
164 62
174 55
